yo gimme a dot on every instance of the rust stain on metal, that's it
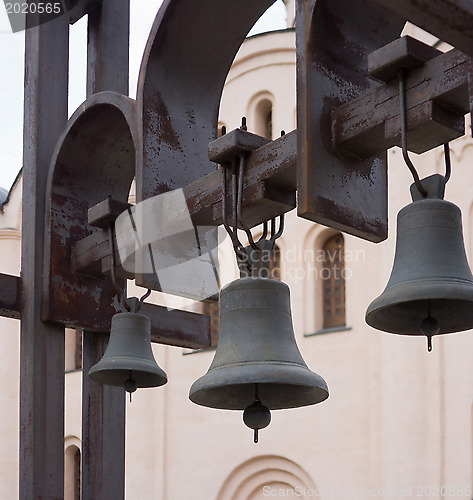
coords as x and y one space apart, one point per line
95 158
159 125
333 41
180 85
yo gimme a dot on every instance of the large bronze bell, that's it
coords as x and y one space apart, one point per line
128 360
430 290
257 365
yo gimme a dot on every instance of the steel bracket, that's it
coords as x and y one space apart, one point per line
231 145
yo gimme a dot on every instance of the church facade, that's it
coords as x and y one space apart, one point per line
398 421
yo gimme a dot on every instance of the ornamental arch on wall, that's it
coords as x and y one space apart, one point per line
257 477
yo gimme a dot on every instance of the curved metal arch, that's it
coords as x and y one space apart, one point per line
186 61
94 159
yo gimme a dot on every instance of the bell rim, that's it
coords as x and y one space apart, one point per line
151 380
243 377
423 292
105 371
417 289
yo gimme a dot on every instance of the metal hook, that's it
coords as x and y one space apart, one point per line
245 227
145 296
237 245
275 236
237 179
121 292
448 163
224 204
265 232
402 99
235 201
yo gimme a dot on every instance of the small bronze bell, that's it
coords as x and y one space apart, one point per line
128 360
430 290
257 366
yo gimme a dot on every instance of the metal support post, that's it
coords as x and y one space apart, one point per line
103 407
42 345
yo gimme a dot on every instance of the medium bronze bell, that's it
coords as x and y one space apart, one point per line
257 365
430 290
128 360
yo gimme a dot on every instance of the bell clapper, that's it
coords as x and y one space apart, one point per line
130 385
429 327
256 416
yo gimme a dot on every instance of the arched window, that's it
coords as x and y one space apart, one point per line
212 309
73 350
221 126
77 475
78 350
72 470
333 288
263 125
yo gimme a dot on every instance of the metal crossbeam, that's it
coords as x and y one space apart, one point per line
272 165
444 79
175 327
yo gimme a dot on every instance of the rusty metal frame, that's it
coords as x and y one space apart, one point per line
269 190
166 136
179 90
94 159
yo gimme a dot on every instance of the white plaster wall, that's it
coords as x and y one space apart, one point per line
10 244
73 405
264 65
